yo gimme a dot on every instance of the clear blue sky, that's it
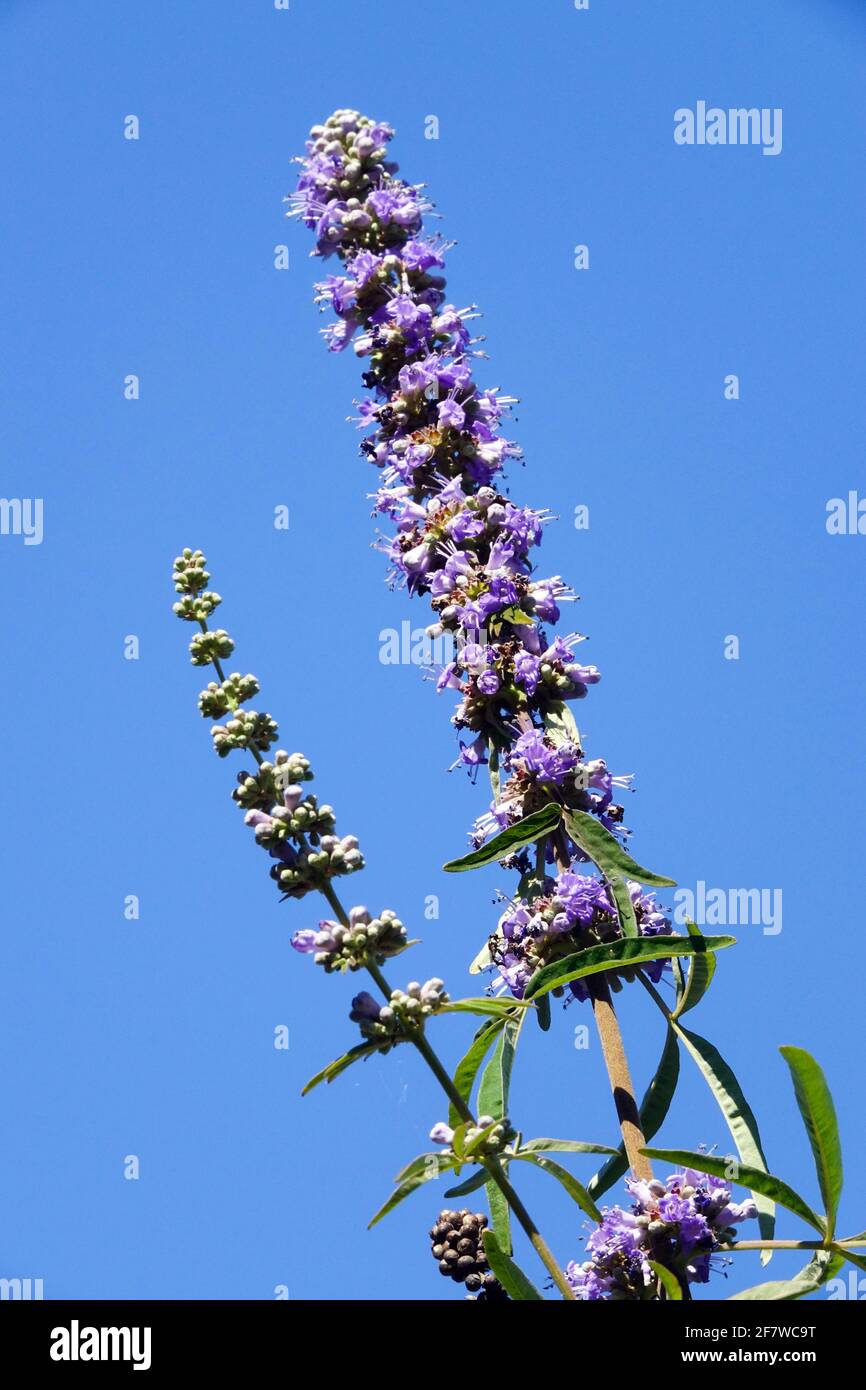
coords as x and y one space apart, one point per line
707 518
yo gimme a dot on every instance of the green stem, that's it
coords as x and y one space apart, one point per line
493 1165
217 665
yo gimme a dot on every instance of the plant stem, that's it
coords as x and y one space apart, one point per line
615 1060
217 665
421 1043
493 1165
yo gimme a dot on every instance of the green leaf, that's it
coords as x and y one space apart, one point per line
472 1184
776 1291
469 1065
516 616
500 1215
525 832
809 1280
614 954
496 1080
493 1101
510 1276
669 1280
542 1013
606 851
341 1064
495 1008
755 1178
422 1169
559 723
457 1138
575 1189
679 981
701 972
819 1117
738 1114
565 1146
482 960
624 906
653 1111
858 1260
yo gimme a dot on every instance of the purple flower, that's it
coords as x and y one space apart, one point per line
574 904
438 439
679 1224
451 415
441 1133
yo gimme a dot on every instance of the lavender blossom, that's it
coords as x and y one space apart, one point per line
571 911
436 438
678 1224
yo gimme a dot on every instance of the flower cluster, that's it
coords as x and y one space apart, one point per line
678 1224
485 1136
297 833
436 438
366 939
458 1249
571 911
406 1010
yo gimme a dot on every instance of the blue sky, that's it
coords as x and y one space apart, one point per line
707 519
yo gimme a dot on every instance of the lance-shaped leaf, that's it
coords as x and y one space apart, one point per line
422 1169
575 1189
542 1013
493 1008
819 1117
701 972
755 1178
493 1101
669 1281
500 1215
472 1184
617 954
564 1146
559 723
738 1114
858 1260
606 851
525 832
653 1111
510 1275
496 1081
482 960
469 1065
340 1064
809 1280
624 906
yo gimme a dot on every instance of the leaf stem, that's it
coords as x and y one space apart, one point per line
616 1062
